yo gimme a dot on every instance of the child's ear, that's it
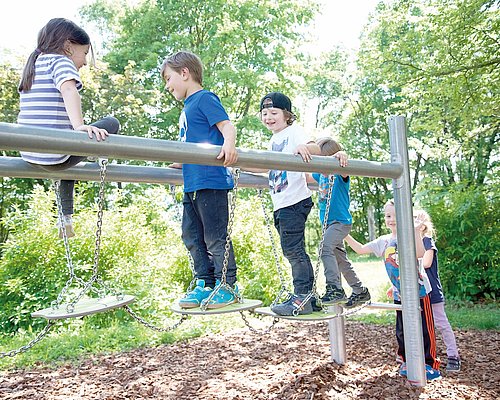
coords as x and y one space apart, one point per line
185 74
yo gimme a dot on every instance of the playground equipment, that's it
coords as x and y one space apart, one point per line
16 137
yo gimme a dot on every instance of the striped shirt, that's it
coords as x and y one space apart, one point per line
43 104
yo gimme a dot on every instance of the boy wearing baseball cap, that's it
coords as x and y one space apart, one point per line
291 199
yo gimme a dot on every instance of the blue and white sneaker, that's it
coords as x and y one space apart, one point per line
194 298
222 298
431 373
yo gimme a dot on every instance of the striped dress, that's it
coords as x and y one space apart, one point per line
43 104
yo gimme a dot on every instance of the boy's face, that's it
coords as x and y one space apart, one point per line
390 217
175 83
274 119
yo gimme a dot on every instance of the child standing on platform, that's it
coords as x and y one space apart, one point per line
339 224
291 198
425 228
49 98
386 247
206 214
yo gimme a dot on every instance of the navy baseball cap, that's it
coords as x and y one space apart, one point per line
276 100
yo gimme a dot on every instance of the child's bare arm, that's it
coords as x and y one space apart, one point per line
73 105
428 258
307 150
356 246
228 151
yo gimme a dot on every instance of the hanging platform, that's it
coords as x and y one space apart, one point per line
84 307
247 304
327 313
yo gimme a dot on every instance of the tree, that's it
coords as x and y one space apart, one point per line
243 44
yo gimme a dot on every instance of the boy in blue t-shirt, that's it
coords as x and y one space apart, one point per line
339 224
205 213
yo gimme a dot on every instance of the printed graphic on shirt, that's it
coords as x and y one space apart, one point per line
323 188
183 127
278 180
391 263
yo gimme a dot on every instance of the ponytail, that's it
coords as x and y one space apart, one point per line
29 72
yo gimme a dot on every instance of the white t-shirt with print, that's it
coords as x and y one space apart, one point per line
288 187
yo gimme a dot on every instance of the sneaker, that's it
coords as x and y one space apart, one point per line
453 364
223 297
356 299
399 359
432 373
68 227
403 370
333 295
194 298
291 307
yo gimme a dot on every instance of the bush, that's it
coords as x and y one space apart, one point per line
466 221
142 254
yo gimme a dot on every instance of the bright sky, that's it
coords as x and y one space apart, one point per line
20 21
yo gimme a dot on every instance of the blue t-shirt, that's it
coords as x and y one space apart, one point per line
339 204
436 294
197 124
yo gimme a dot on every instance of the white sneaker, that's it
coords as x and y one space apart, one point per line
68 226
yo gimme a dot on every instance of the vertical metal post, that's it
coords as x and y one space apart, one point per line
414 344
336 328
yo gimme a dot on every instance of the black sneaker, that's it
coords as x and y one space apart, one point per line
291 307
356 299
453 364
333 295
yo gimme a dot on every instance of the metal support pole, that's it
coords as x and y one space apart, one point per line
336 329
414 344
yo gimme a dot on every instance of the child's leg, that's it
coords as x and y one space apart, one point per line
344 265
211 207
290 223
192 236
429 333
443 325
331 268
400 337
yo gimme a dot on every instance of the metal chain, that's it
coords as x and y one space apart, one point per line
142 321
95 268
30 344
227 247
69 261
267 221
324 226
257 331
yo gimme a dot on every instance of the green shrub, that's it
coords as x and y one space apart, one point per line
466 221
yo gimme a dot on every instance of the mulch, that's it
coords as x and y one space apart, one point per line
291 363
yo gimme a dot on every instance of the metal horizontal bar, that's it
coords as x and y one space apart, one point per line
15 167
61 141
385 306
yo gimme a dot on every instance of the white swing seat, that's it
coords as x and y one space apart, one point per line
84 307
246 304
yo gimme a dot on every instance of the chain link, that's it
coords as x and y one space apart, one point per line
29 345
257 331
142 321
